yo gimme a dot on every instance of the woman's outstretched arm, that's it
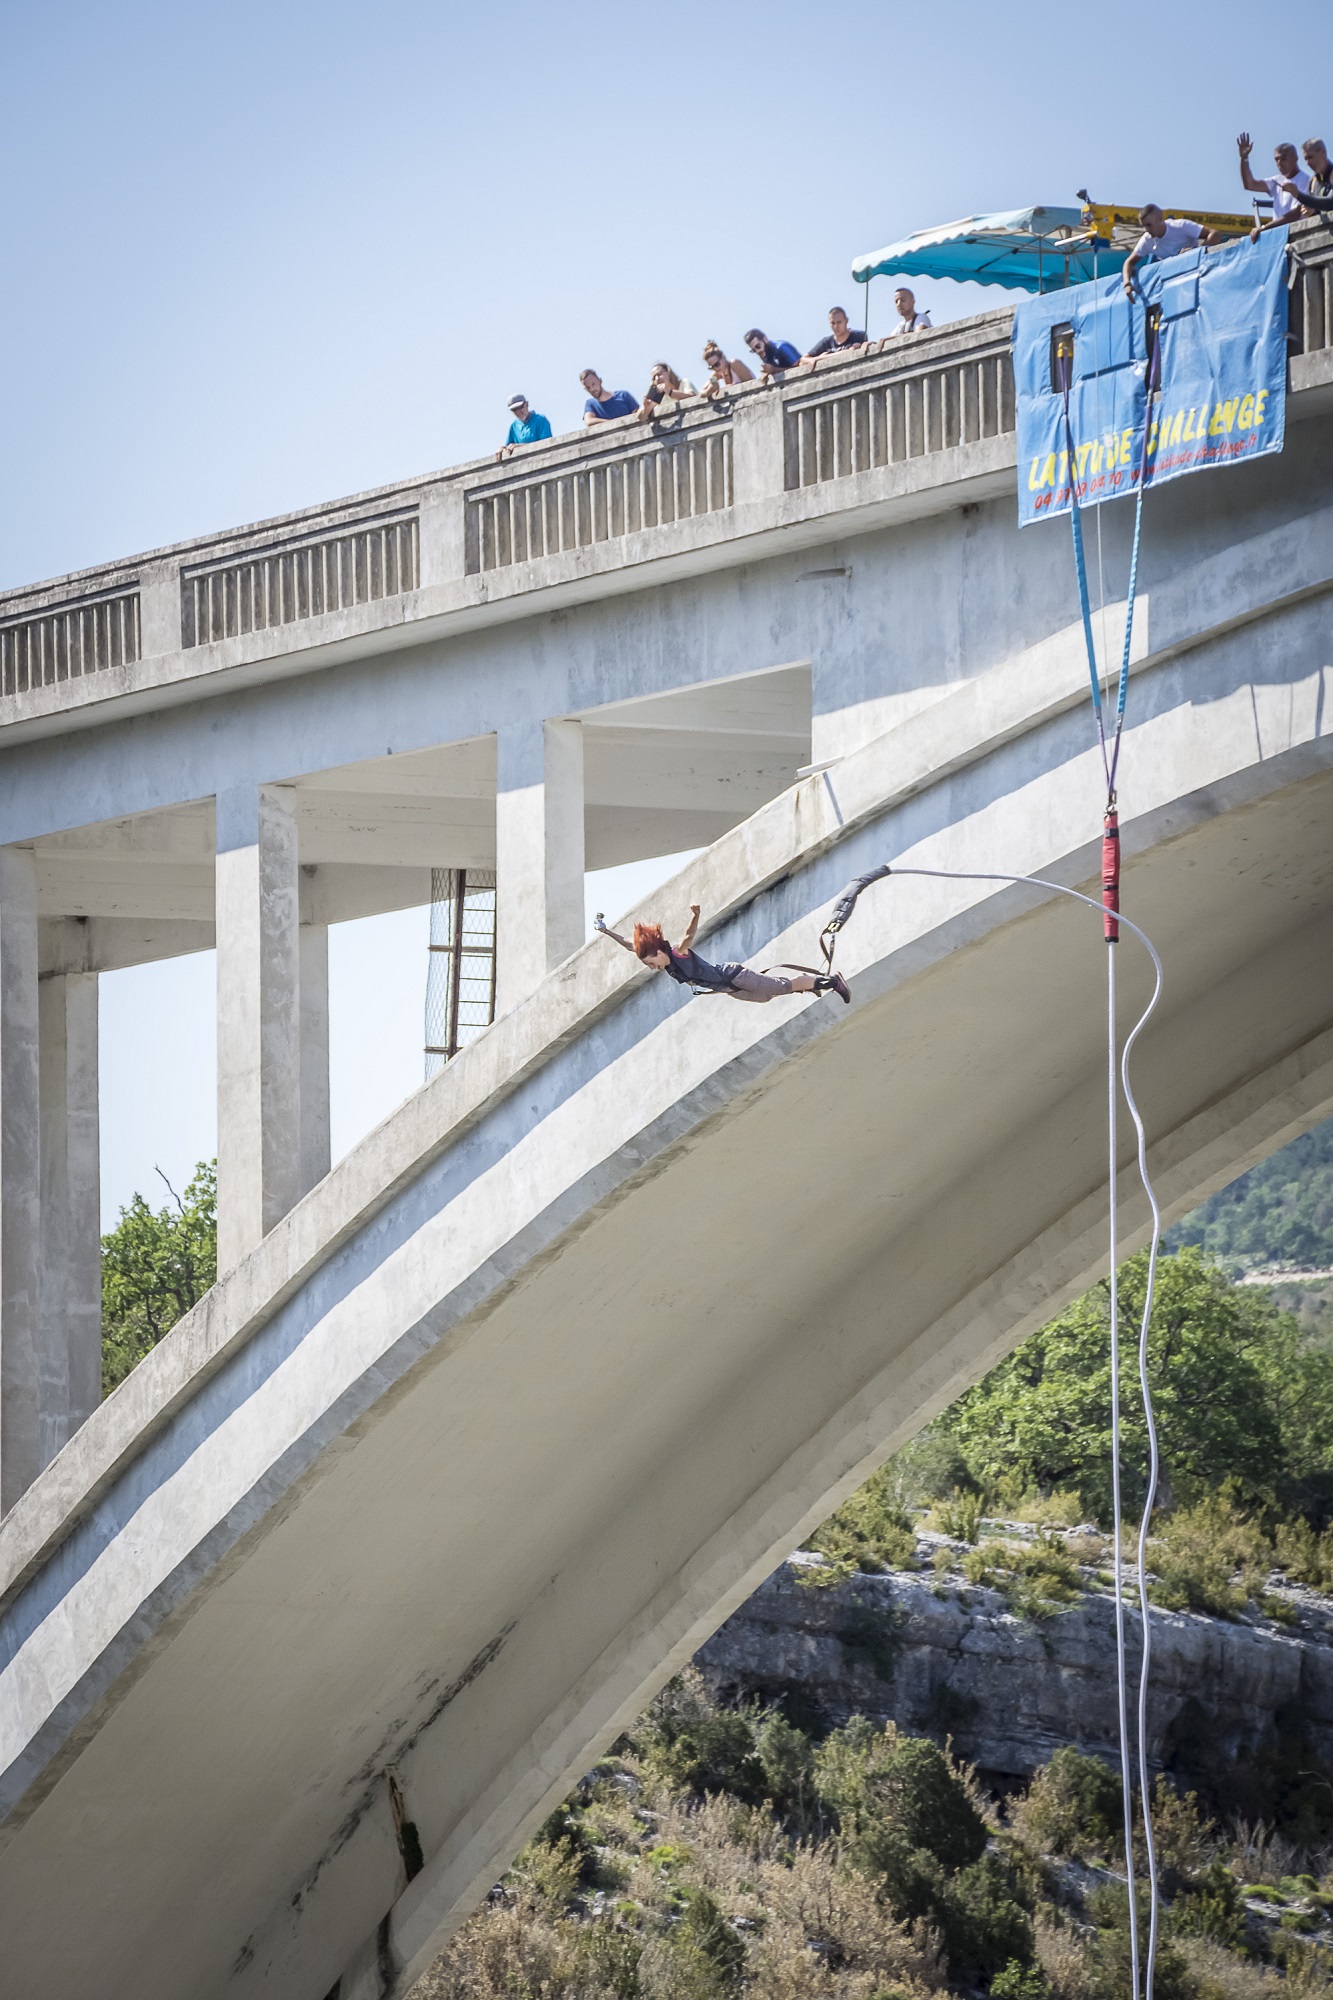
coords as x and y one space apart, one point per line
690 929
606 930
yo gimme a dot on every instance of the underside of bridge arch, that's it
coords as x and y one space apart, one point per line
588 1368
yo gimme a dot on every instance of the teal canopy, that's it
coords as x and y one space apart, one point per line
1025 250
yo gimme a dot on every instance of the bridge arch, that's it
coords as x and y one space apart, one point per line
459 1463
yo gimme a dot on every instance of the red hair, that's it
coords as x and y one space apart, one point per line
648 940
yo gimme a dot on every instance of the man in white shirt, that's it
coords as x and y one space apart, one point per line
909 319
1289 168
1164 236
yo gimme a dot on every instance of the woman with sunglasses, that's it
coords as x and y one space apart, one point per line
723 374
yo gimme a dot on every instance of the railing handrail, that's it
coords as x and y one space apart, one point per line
888 359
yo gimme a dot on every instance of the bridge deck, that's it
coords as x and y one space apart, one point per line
893 435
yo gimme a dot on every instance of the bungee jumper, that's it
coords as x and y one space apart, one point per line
683 964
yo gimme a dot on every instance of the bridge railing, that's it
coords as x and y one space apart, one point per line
904 400
301 577
914 402
601 490
66 640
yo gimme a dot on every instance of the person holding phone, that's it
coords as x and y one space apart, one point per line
665 387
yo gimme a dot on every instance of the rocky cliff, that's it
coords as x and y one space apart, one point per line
941 1656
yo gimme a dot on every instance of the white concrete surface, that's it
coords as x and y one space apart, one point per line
421 1485
313 975
259 1017
70 1280
20 1177
539 854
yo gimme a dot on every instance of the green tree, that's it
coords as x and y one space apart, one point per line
1238 1394
1281 1212
155 1266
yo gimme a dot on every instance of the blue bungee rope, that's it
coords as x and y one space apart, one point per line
1111 761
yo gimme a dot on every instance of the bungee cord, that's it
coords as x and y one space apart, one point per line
1118 1075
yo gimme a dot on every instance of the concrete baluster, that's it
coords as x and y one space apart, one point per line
259 1025
20 1175
539 854
70 1336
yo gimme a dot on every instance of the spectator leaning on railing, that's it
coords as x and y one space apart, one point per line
840 338
909 319
723 374
1284 186
1317 199
665 387
601 408
773 355
527 427
1164 236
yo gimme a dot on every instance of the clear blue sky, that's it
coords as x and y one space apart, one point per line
262 255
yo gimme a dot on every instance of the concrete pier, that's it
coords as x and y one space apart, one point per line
259 1017
539 853
21 1370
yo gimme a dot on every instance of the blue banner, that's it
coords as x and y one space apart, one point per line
1221 392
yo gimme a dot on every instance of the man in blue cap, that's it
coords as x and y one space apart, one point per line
527 426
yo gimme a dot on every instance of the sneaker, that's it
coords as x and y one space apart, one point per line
834 982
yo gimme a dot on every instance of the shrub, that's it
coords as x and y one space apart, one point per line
1110 1959
787 1760
876 1778
872 1531
982 1922
1211 1908
1199 1552
1073 1807
958 1517
1305 1556
1016 1981
1182 1838
691 1744
708 1953
1219 1975
1037 1578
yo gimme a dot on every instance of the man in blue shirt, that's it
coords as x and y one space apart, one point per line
601 408
774 356
528 427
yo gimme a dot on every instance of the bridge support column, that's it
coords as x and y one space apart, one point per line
259 1018
20 1175
70 1328
538 854
315 1146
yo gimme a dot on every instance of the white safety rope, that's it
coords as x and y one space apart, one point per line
1118 1072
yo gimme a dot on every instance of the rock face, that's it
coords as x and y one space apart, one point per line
940 1657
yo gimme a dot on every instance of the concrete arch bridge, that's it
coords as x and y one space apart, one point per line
478 1438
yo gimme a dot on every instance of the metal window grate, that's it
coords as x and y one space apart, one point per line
356 564
68 642
460 979
574 508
